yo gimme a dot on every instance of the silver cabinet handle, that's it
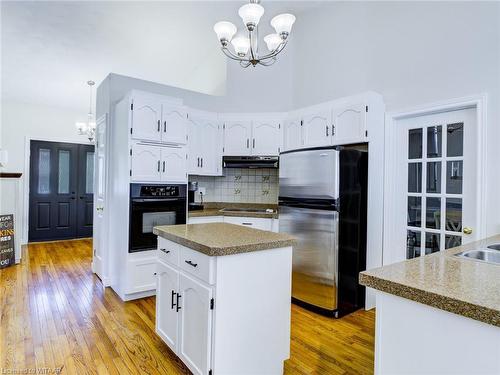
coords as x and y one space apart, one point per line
253 143
248 142
202 162
327 130
247 223
158 165
164 166
198 162
333 129
158 125
164 126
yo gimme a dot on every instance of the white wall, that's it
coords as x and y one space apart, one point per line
20 121
410 52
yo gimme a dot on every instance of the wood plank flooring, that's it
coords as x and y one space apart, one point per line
56 315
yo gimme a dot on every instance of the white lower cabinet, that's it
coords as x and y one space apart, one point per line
167 285
210 309
195 324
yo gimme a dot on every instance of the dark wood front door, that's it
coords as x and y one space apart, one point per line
61 190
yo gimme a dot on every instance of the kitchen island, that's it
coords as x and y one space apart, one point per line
437 314
223 297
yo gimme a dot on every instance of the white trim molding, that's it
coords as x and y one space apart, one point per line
477 102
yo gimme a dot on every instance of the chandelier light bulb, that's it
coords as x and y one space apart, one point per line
272 41
241 45
282 23
81 127
251 14
225 31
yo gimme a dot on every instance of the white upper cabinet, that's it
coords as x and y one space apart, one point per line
349 121
146 118
316 127
145 163
155 119
237 137
166 312
151 163
205 144
266 137
292 133
195 324
174 124
174 164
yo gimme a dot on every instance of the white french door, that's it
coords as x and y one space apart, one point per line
437 181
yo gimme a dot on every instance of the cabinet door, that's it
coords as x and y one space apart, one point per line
350 123
211 144
317 128
237 138
195 324
145 163
167 285
292 134
174 164
174 124
266 137
146 117
194 145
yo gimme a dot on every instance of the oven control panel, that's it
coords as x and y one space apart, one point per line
159 191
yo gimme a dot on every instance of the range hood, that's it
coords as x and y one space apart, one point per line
250 162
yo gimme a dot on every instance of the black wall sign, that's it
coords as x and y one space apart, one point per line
7 253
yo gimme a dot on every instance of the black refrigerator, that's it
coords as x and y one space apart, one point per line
322 202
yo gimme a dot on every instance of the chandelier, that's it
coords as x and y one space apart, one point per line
246 49
88 128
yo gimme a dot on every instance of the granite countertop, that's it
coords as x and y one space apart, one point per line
462 286
218 239
214 209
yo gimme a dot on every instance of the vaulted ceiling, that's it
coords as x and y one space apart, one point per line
50 49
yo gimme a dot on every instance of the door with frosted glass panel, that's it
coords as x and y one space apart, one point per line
58 178
438 173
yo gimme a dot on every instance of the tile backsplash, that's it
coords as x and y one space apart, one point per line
240 186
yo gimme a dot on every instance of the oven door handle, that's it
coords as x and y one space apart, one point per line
158 200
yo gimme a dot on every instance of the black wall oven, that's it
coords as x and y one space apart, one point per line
152 205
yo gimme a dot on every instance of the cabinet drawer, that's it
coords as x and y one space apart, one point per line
205 219
168 251
142 275
251 222
197 264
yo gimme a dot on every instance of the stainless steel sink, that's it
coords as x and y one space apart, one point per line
494 246
482 255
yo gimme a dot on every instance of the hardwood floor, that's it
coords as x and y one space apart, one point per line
55 314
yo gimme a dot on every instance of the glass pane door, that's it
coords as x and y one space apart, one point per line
434 193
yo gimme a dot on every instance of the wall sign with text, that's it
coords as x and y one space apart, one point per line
7 253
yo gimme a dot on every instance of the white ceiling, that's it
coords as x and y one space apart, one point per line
50 49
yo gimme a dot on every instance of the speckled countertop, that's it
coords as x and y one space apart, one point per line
462 286
218 239
214 209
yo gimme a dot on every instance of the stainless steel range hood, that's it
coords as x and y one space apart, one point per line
250 161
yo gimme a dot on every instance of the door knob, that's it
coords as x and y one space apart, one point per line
467 230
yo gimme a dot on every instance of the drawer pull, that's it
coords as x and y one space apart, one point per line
247 223
172 300
165 251
177 308
191 263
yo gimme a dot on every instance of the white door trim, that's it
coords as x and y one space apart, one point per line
26 182
477 102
